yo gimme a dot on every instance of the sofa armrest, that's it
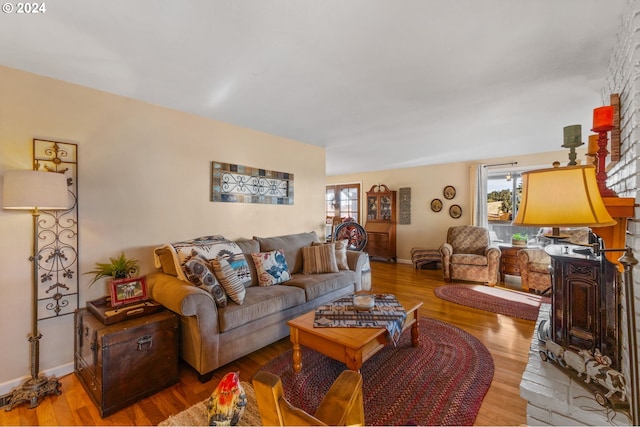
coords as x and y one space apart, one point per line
181 297
357 261
199 335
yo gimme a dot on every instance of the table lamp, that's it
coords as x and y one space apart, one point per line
33 190
562 197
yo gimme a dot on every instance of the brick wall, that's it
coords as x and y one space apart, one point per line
623 78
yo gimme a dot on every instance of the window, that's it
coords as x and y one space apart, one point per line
342 201
504 191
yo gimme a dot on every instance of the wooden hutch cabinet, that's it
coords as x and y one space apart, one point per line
381 222
585 301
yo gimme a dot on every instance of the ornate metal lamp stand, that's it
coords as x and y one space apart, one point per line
37 386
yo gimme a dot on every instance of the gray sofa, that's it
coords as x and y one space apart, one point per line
212 336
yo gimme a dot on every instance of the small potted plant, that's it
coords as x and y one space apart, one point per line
519 239
118 268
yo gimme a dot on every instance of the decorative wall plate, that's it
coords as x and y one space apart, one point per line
455 211
436 205
449 192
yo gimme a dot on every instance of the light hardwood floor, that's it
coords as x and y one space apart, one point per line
507 339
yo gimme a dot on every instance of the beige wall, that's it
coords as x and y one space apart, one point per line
428 228
143 180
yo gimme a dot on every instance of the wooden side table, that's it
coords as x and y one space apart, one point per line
509 260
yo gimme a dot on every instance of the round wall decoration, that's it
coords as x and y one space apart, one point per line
436 205
449 192
455 211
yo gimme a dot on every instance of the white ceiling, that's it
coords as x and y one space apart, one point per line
380 83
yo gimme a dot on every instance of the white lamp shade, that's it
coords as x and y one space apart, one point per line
34 190
562 197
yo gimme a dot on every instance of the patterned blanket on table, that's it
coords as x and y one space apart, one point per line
387 313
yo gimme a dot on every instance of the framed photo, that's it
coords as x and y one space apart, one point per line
455 211
449 192
127 291
436 205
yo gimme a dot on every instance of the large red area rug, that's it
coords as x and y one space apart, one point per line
440 382
496 300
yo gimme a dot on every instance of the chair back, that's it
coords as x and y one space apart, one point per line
468 239
342 405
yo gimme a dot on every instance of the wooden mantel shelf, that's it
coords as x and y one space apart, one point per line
620 209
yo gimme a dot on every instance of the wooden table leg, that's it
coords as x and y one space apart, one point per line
353 360
415 330
297 350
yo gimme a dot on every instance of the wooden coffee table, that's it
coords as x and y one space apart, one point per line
351 346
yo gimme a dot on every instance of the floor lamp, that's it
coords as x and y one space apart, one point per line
33 190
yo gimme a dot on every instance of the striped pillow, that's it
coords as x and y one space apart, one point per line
319 259
229 279
341 252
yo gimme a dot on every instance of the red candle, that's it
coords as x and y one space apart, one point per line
603 119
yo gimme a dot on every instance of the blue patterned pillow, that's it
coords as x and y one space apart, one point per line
199 274
271 267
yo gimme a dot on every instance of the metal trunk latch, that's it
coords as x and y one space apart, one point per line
145 342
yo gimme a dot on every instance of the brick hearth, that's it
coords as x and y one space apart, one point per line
554 398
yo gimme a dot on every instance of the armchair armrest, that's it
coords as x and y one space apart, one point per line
492 252
343 404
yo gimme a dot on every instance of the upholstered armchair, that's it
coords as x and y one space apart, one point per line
534 263
468 255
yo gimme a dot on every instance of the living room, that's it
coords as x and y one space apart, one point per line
144 179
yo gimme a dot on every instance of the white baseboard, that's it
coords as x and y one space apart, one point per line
59 371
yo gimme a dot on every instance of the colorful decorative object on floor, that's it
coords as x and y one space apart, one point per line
227 402
197 415
496 300
440 382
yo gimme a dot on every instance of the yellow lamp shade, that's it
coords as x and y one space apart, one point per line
562 197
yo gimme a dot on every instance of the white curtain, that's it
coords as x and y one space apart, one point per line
479 195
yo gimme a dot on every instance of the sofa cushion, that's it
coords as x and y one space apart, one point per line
538 267
317 285
319 259
341 253
290 244
469 259
271 267
231 283
199 273
259 302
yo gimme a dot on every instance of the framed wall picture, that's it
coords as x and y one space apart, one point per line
455 211
127 291
436 205
449 192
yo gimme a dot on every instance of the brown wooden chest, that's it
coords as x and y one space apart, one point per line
121 363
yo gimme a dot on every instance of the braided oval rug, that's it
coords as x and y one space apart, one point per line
496 300
441 382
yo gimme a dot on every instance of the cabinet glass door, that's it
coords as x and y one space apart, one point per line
372 208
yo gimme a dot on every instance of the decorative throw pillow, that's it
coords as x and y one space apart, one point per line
341 252
229 279
199 274
208 248
319 259
271 267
